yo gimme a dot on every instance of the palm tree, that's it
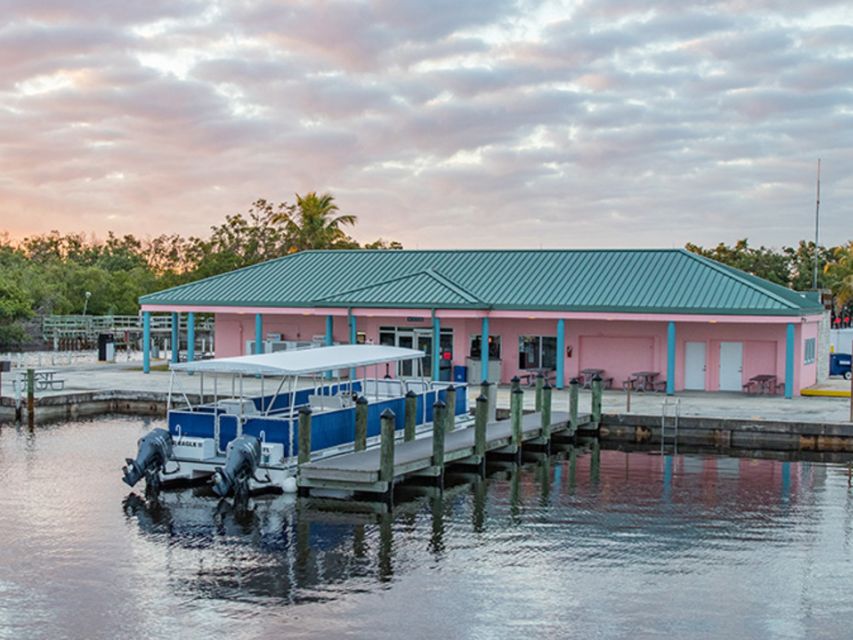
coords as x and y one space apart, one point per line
314 225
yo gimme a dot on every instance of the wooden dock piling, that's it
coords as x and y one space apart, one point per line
304 435
546 413
514 383
597 389
515 411
31 389
411 418
438 431
489 391
573 405
540 380
481 418
386 456
361 424
450 417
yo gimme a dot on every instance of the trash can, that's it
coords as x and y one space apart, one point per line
839 365
460 373
106 347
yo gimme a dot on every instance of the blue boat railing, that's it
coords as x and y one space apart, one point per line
329 428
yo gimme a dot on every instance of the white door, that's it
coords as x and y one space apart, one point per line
731 366
694 366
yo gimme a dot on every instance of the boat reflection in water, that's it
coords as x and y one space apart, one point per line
620 504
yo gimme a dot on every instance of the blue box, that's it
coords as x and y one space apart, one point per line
839 364
460 373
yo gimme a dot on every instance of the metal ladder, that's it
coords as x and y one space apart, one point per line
664 414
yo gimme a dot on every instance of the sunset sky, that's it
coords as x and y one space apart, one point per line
481 123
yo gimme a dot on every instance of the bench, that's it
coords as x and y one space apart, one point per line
630 383
750 387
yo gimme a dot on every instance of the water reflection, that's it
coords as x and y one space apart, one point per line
302 549
583 536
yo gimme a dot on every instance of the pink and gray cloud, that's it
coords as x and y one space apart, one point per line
489 123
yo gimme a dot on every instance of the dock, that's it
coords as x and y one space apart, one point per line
377 470
361 471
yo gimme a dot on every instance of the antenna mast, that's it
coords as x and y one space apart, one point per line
816 226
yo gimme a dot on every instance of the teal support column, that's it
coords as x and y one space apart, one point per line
436 347
670 359
330 336
176 337
191 336
353 338
146 342
789 361
259 333
561 352
484 352
330 330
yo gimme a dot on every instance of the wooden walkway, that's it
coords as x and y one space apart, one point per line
360 472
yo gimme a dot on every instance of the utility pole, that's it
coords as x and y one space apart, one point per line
816 226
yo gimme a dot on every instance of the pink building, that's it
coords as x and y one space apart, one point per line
685 321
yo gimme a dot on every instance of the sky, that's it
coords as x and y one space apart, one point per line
440 124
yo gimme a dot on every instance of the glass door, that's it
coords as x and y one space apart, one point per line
406 339
424 343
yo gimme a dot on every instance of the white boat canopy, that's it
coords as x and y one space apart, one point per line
302 361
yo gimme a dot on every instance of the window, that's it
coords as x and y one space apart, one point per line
537 352
809 350
494 347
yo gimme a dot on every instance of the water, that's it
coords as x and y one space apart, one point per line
646 547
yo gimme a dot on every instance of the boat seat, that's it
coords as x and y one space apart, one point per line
231 406
383 388
321 403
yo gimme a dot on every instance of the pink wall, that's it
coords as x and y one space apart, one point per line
808 372
618 346
232 330
763 349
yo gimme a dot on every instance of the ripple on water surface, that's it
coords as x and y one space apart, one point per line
639 546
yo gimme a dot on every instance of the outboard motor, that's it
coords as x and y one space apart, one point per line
155 450
243 457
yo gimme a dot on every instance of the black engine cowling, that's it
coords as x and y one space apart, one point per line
243 457
155 450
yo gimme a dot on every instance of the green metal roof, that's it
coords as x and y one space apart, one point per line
424 288
631 281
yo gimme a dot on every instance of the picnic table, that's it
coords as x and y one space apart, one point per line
43 379
529 375
762 383
587 375
642 380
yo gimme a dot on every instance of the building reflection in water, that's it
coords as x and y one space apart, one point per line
299 550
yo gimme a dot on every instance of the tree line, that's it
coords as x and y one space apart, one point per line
52 273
